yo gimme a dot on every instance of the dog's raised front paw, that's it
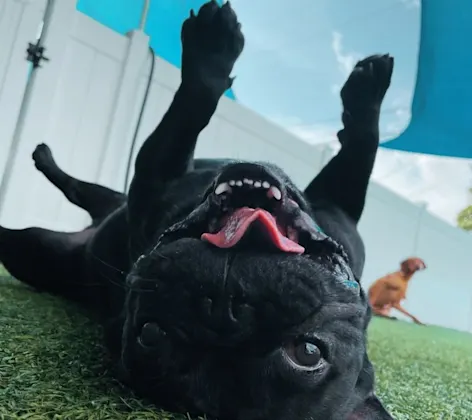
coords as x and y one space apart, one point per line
365 89
212 41
42 157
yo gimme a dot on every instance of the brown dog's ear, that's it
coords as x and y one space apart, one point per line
370 409
410 265
405 266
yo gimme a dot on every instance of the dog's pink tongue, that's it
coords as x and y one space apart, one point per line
239 222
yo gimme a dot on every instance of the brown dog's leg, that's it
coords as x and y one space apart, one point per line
399 308
383 312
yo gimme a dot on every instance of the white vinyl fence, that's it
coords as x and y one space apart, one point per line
85 104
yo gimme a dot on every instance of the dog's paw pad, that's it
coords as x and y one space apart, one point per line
212 41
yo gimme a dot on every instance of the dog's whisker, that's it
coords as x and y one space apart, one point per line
150 280
155 255
114 282
107 264
139 290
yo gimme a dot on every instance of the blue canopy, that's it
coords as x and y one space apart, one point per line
163 24
441 121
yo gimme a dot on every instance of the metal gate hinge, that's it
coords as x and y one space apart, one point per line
35 54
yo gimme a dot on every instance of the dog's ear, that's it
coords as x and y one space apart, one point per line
370 409
405 266
410 265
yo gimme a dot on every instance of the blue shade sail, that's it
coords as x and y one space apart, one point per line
441 122
163 24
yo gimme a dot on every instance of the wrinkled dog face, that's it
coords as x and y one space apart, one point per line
245 309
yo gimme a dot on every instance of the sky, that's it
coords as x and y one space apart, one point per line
297 57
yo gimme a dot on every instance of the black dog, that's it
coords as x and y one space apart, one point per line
224 289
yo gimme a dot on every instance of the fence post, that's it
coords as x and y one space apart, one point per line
34 115
19 24
114 153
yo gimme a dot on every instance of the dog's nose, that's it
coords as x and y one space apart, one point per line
229 320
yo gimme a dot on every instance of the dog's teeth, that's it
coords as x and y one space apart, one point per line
258 184
275 192
239 183
223 187
248 181
266 185
232 183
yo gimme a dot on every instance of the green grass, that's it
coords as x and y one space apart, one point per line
423 373
51 366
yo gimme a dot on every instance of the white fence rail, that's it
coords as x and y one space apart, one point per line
85 104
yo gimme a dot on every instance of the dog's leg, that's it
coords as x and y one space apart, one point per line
344 180
382 310
212 41
95 199
399 308
45 260
382 313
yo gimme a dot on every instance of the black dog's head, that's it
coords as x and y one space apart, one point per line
245 309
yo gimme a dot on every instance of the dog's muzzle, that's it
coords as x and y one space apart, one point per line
249 207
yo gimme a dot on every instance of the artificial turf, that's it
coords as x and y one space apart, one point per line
52 366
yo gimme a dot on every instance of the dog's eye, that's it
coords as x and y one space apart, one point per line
149 336
304 354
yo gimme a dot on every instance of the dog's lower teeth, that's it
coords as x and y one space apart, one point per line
275 192
257 184
266 185
224 187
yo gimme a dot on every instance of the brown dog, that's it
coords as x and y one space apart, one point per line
388 291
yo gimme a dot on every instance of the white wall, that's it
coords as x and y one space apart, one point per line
394 229
19 23
85 104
